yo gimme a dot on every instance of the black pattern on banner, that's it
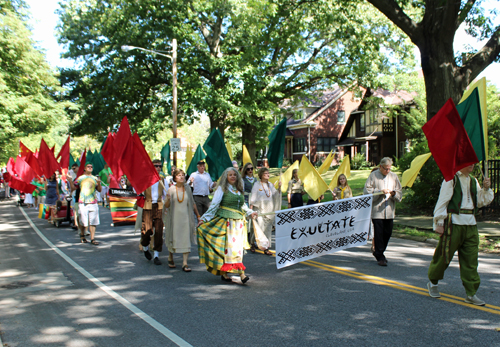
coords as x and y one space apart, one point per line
321 247
321 210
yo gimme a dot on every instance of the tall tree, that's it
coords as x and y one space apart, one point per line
28 86
431 25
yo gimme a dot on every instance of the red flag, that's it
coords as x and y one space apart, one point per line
22 186
23 150
113 182
81 168
120 143
108 153
11 167
6 177
32 161
448 141
137 165
64 155
24 171
47 160
53 150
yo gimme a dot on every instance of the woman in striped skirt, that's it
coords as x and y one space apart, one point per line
222 230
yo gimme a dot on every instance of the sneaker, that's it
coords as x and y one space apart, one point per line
157 261
148 255
474 300
433 291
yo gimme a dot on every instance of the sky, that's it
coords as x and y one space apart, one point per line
44 21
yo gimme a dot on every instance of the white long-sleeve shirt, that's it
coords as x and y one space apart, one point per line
217 198
484 198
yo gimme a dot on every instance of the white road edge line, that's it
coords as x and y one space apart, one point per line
134 309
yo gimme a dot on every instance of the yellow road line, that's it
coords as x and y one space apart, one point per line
395 284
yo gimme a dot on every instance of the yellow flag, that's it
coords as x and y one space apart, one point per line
285 177
326 164
481 88
314 184
229 150
411 174
344 168
189 156
246 157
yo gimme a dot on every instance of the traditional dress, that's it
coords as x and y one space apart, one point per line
343 193
222 235
265 198
458 202
180 226
295 189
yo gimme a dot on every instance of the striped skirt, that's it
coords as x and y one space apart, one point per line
220 245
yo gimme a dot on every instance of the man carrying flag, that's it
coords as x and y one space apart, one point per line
88 208
454 218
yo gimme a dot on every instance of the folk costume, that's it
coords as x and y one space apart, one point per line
222 235
152 222
295 190
458 203
383 208
180 225
264 199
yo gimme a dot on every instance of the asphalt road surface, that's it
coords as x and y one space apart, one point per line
55 291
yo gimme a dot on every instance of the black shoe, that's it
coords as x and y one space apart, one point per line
148 255
382 262
156 261
226 279
245 280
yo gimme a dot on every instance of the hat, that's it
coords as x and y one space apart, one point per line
201 162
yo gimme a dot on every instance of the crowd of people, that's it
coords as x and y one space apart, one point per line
239 217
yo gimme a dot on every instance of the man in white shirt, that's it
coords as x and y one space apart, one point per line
152 222
454 218
202 186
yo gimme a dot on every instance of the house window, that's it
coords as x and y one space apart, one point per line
373 116
326 144
362 122
299 115
299 145
402 147
341 117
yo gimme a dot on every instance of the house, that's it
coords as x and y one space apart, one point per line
336 120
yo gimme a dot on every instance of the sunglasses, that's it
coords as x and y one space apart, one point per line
249 168
157 165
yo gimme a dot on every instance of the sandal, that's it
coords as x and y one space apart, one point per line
94 242
83 239
267 252
252 248
171 264
185 268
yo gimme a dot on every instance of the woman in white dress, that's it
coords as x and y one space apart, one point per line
180 227
264 199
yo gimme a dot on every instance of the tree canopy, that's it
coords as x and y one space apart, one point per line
237 59
431 25
28 87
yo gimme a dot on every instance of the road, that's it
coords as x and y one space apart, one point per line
55 291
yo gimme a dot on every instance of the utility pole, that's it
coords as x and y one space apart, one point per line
174 94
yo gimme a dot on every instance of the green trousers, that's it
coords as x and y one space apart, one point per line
465 240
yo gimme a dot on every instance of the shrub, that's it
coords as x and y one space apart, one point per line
358 162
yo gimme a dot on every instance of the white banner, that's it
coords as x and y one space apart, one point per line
308 232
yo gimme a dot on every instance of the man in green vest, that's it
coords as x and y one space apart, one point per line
454 218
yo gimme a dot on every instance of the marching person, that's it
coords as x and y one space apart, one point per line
222 231
342 190
295 190
454 219
386 183
88 208
202 186
180 227
264 199
152 222
248 182
52 195
104 175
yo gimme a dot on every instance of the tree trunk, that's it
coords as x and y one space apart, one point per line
248 132
442 76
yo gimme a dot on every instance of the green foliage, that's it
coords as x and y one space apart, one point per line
423 195
29 88
493 102
358 162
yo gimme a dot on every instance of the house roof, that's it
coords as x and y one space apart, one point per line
398 97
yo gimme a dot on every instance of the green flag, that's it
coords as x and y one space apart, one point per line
89 159
470 113
165 156
277 145
217 158
98 162
198 155
72 161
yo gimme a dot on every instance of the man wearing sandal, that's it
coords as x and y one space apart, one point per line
152 222
88 208
454 218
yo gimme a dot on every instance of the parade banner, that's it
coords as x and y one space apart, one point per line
308 232
121 203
